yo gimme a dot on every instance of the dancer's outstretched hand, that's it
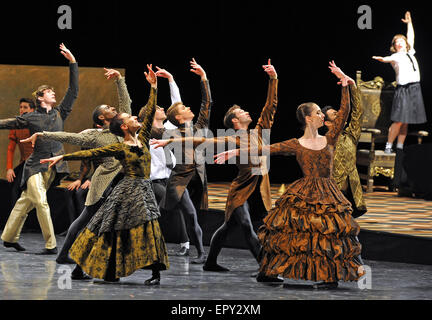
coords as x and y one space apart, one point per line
111 73
151 76
32 138
197 69
163 74
344 79
226 155
66 53
270 70
407 18
158 143
52 161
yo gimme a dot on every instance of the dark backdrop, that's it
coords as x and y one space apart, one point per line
231 40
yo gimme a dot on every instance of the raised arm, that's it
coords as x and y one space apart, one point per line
65 106
124 100
174 90
410 29
344 110
206 100
267 115
147 113
354 126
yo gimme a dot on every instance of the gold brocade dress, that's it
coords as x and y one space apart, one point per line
310 233
125 230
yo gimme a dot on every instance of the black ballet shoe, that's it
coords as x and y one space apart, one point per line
261 277
153 281
80 276
325 285
214 267
65 260
15 245
200 259
183 252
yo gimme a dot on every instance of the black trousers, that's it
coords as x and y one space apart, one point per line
169 219
190 215
240 216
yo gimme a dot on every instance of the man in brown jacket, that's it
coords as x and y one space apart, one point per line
186 189
252 183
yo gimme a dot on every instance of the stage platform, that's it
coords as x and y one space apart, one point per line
386 211
27 276
397 229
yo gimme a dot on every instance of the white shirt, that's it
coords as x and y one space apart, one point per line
158 167
403 67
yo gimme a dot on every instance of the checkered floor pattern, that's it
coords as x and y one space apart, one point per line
386 211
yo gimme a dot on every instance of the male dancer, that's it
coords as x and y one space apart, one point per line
187 170
13 176
247 186
344 164
163 161
37 177
109 168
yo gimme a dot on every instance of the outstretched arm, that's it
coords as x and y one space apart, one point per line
410 29
387 59
84 139
111 150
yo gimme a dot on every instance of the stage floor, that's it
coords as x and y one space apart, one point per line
386 211
27 276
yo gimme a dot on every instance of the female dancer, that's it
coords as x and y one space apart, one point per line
310 233
408 106
124 234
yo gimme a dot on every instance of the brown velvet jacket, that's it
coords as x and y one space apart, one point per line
187 167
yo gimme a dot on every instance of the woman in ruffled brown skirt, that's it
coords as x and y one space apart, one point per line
310 233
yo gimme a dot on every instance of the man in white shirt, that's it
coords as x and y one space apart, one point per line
163 160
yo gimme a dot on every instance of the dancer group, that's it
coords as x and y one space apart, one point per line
310 233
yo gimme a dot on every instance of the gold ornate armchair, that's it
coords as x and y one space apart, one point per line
377 98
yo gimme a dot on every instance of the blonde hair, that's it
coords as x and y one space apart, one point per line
40 92
172 112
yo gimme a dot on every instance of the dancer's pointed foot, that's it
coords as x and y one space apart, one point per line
200 259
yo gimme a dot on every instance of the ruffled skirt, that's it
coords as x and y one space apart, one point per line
311 235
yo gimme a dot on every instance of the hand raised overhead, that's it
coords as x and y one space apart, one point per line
197 69
151 76
66 53
270 70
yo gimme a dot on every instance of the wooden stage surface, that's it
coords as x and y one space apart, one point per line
386 210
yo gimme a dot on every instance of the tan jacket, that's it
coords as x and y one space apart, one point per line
344 166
